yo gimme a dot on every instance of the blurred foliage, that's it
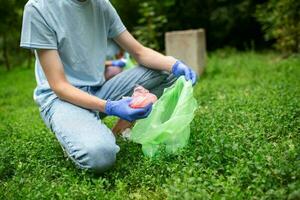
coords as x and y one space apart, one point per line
11 19
280 20
227 23
149 25
241 24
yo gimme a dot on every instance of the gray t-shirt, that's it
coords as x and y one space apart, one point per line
112 50
79 31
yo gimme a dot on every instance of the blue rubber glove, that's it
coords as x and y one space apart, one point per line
119 63
122 109
179 69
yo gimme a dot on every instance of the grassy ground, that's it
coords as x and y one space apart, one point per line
244 143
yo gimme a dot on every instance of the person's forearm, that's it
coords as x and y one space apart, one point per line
155 60
71 94
54 71
108 63
144 55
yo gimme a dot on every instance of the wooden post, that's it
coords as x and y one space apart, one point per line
29 59
188 46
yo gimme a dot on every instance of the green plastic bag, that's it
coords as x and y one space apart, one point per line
168 125
131 63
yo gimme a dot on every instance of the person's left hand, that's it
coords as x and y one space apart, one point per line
179 69
119 63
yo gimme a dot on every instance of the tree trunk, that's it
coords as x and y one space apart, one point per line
29 59
5 53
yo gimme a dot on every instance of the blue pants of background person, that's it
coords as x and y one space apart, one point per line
86 140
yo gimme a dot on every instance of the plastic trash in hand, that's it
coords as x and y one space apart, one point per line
142 97
168 125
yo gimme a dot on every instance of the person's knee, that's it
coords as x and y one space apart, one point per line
153 73
97 157
101 157
155 78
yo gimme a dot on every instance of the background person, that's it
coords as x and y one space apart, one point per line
115 61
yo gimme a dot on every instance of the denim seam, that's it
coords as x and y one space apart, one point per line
70 148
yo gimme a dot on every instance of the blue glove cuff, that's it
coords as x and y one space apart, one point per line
175 66
108 107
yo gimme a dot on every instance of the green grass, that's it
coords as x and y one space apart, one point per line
244 141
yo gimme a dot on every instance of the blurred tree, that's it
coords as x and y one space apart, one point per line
149 25
128 11
281 21
10 26
227 22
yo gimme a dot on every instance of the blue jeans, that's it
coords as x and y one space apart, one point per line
85 139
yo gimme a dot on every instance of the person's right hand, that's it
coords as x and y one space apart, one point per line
122 109
179 69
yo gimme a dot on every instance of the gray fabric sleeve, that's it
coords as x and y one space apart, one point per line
116 26
36 33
